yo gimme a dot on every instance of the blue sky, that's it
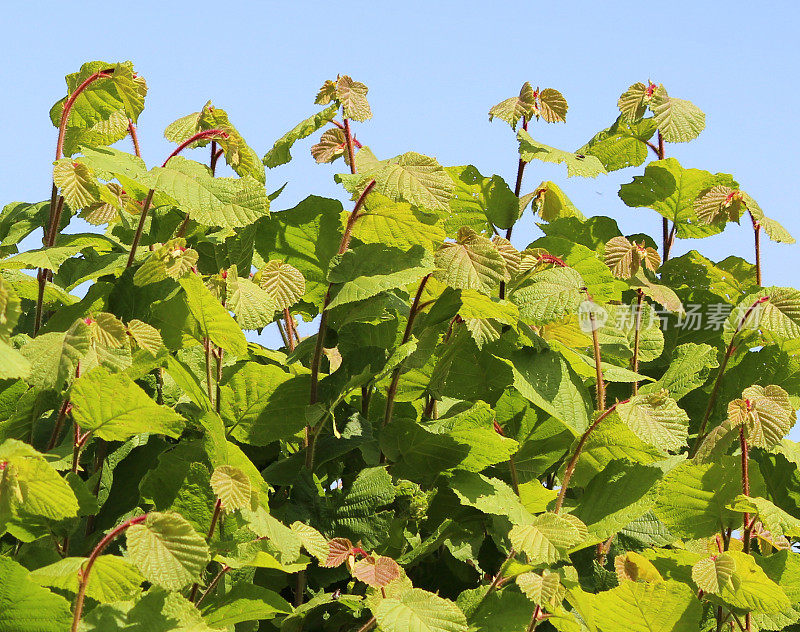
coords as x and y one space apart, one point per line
434 69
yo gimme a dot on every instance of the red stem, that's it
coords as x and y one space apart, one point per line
343 246
728 353
134 138
757 239
62 127
83 574
209 133
574 460
412 314
636 335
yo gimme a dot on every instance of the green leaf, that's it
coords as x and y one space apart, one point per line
167 550
656 419
692 500
253 306
688 370
283 282
712 574
411 177
648 607
671 190
477 199
578 164
551 203
551 295
751 589
55 356
213 319
621 493
261 404
624 144
12 363
30 485
546 539
678 120
238 154
373 268
542 589
231 486
632 103
306 237
546 379
472 262
227 202
244 602
777 319
775 520
396 224
112 577
76 182
765 412
489 495
417 610
279 154
26 606
120 89
114 408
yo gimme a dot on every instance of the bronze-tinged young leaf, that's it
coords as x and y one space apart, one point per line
339 549
552 106
513 109
352 95
378 571
719 203
766 413
326 93
632 103
624 257
331 145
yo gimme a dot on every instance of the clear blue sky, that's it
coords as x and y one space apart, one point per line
433 69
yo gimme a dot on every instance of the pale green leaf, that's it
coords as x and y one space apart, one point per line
115 408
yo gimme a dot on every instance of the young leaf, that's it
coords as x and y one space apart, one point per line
546 539
167 550
471 262
656 419
231 486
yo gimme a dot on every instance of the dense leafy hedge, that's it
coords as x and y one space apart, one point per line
584 434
